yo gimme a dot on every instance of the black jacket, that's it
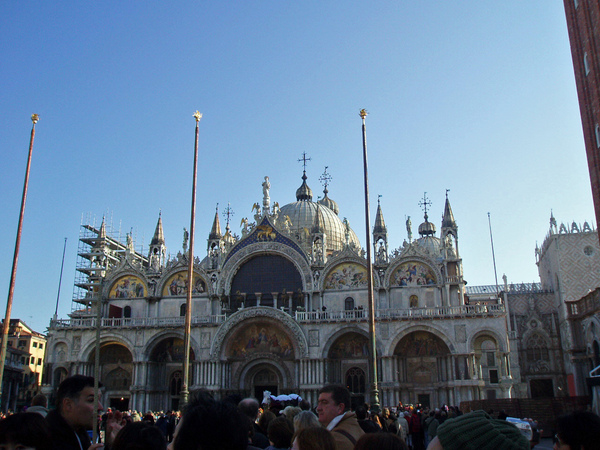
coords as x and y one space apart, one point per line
63 436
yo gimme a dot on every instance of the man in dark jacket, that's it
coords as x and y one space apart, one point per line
74 414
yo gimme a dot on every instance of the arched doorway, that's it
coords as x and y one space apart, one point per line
264 378
348 362
165 373
423 364
116 369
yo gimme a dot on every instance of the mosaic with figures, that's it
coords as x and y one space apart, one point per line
260 338
347 276
352 345
421 343
177 285
128 287
412 274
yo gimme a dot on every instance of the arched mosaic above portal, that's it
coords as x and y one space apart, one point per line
346 276
350 345
259 338
413 273
177 285
128 286
421 343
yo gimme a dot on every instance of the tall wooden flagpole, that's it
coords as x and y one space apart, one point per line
371 297
13 275
188 302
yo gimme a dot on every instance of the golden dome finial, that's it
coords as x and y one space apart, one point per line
35 118
197 116
363 113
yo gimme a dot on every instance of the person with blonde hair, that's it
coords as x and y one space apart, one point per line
304 420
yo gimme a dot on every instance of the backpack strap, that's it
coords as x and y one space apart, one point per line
348 435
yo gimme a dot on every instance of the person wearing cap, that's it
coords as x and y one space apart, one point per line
478 431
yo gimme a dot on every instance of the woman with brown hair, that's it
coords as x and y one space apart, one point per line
314 438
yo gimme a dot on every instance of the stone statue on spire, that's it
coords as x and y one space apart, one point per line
266 199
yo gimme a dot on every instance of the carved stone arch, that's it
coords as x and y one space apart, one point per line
104 340
437 332
245 254
343 331
540 331
404 259
332 263
198 271
592 330
262 312
151 344
488 332
264 359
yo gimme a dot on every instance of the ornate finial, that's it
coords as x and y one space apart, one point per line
197 116
378 199
228 213
363 114
447 190
35 118
325 179
424 204
304 159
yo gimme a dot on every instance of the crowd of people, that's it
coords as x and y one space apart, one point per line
239 424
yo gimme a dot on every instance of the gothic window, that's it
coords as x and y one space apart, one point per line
349 304
414 301
537 349
127 312
355 380
182 310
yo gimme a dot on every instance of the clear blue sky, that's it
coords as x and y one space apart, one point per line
476 97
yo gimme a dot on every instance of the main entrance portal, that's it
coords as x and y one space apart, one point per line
265 379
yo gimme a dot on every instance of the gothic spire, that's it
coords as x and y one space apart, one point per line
379 222
448 218
215 232
159 236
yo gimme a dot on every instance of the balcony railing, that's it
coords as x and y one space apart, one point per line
403 314
134 322
441 312
584 306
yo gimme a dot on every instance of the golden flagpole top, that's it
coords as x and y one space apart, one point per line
197 116
363 113
35 118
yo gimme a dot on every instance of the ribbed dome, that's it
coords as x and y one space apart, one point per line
426 228
326 201
304 192
302 215
429 244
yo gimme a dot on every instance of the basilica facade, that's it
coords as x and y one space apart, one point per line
284 307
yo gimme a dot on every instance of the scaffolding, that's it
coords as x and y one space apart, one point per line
96 254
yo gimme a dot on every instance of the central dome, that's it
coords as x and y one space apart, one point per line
302 215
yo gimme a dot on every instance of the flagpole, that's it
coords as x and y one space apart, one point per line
188 302
13 275
371 298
